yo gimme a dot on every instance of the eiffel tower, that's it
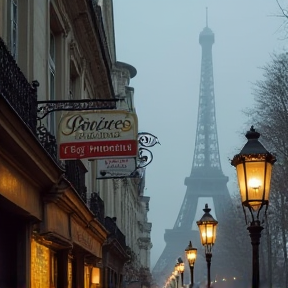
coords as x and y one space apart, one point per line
206 184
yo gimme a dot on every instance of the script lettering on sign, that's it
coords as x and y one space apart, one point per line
98 134
115 168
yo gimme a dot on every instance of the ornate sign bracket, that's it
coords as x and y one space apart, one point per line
46 107
145 139
145 156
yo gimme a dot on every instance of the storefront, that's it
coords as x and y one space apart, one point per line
68 243
49 237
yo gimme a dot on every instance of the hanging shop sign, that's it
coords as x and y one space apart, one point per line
115 167
98 134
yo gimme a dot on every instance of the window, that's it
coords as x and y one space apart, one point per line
53 263
86 276
56 64
69 272
75 83
72 88
40 265
13 27
87 91
52 50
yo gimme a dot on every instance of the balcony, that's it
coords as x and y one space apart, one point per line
75 173
97 207
16 90
21 96
115 232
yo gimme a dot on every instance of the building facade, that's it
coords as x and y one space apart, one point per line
63 227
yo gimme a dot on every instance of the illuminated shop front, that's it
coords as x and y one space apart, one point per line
63 248
49 237
44 269
42 266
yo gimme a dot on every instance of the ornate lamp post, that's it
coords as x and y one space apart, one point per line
254 167
207 227
191 254
180 268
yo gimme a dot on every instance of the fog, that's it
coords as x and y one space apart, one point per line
160 39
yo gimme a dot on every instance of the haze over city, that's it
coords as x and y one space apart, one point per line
161 40
123 124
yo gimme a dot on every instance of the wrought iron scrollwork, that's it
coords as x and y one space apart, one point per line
75 173
115 232
47 140
147 139
97 207
16 90
46 107
145 156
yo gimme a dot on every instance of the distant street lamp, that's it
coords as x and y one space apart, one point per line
191 254
180 268
176 274
207 227
254 168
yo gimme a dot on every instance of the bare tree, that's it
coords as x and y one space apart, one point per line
283 11
283 14
271 105
270 116
279 219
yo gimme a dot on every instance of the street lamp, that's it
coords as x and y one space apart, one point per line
207 227
176 274
191 254
254 167
180 268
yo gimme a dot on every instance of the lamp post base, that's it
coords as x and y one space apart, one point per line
208 260
255 234
191 276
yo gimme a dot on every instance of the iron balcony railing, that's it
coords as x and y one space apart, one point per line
16 90
22 98
75 173
115 232
97 207
48 141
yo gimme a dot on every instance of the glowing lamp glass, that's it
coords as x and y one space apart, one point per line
207 233
254 178
180 267
191 254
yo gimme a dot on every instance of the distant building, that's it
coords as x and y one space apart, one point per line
206 184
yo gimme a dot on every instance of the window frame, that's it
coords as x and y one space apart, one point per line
52 80
13 33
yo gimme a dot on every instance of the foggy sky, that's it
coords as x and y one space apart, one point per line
160 39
